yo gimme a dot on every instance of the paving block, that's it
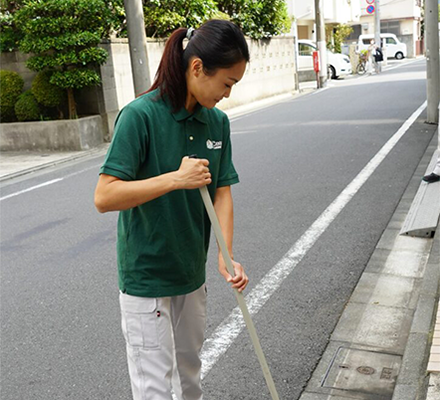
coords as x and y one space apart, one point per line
433 387
374 325
405 263
405 392
414 360
424 314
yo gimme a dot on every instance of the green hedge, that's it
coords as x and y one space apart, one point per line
27 108
11 86
45 92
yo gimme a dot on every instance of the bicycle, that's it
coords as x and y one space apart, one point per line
361 68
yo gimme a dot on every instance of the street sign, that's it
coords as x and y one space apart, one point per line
316 61
370 9
370 1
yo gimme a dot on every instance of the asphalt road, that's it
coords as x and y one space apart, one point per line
60 324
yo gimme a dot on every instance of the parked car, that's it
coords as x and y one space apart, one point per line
394 47
338 64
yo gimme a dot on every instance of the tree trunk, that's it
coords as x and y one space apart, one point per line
72 104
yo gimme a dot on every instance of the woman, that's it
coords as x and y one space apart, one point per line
163 229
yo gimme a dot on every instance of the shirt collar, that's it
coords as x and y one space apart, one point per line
200 114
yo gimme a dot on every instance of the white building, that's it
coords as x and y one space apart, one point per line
401 17
335 12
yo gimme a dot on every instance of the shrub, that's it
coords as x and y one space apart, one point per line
26 107
45 92
11 86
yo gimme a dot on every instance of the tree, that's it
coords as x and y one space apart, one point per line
64 35
10 36
335 36
258 19
163 17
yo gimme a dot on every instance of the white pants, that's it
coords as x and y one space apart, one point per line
164 338
370 64
437 165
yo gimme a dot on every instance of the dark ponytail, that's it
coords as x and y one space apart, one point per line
218 43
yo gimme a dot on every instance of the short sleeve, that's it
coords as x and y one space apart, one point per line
227 174
129 145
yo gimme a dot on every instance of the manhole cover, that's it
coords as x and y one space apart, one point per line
366 370
363 371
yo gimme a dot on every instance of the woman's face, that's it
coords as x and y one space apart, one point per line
208 90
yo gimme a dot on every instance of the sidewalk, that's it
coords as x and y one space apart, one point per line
14 164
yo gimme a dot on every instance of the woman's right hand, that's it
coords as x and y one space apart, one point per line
193 173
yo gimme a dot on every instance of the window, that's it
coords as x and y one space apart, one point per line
390 27
306 49
391 41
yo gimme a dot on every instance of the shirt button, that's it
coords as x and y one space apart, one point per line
191 138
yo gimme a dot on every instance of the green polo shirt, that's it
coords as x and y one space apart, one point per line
162 244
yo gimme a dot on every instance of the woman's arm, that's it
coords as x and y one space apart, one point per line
224 209
114 194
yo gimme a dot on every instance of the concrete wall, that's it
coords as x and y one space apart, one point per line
271 71
64 135
16 61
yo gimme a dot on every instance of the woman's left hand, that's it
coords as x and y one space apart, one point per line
240 280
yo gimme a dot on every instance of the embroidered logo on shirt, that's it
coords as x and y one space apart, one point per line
213 145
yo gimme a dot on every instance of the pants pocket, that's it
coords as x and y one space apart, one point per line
139 324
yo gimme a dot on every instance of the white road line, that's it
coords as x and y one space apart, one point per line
225 334
31 188
47 183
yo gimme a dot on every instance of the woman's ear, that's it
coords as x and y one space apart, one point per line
196 66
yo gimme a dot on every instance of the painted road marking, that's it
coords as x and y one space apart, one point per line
226 333
47 183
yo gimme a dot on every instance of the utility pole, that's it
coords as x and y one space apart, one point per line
320 40
137 41
432 60
377 23
377 38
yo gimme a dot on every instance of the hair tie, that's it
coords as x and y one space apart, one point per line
189 33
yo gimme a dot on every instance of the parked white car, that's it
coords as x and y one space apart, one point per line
338 64
394 47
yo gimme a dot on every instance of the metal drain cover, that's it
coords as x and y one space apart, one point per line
363 371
